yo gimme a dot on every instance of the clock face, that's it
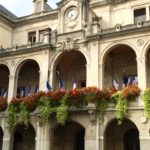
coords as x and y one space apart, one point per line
72 13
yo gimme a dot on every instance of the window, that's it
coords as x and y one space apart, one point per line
42 35
140 15
32 37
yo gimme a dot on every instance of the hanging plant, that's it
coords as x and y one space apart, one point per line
146 99
102 105
45 109
121 106
11 120
62 111
24 114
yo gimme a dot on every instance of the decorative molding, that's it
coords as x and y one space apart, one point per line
140 42
68 44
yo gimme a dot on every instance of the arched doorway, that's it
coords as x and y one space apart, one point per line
4 80
121 137
71 66
1 138
119 64
70 136
28 78
24 138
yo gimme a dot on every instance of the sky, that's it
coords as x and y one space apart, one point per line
23 7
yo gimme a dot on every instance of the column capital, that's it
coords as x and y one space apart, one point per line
12 76
141 59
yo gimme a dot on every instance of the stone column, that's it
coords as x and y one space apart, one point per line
88 75
141 70
12 87
42 137
51 78
101 75
7 141
91 137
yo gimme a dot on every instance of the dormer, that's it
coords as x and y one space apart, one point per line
41 6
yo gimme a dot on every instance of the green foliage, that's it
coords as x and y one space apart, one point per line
146 99
11 120
90 97
102 105
24 114
45 109
62 111
121 106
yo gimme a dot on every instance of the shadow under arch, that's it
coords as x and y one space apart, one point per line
113 46
121 137
23 137
70 136
119 62
55 58
71 66
24 61
4 79
1 138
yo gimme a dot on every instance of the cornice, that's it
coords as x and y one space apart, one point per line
29 19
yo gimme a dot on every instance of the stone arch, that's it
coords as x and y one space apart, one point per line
57 55
26 82
115 44
21 62
146 57
72 69
146 48
71 134
20 137
120 140
1 138
115 68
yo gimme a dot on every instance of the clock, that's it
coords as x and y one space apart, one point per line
71 13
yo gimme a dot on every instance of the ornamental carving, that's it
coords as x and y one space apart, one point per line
68 44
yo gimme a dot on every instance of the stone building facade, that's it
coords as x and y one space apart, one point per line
91 41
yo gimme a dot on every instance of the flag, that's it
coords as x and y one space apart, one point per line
59 78
132 80
29 90
60 83
48 87
124 81
115 83
23 91
36 89
74 84
4 94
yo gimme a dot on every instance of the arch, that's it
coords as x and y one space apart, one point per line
113 46
71 135
57 55
6 64
71 66
1 138
145 49
120 141
21 139
21 62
